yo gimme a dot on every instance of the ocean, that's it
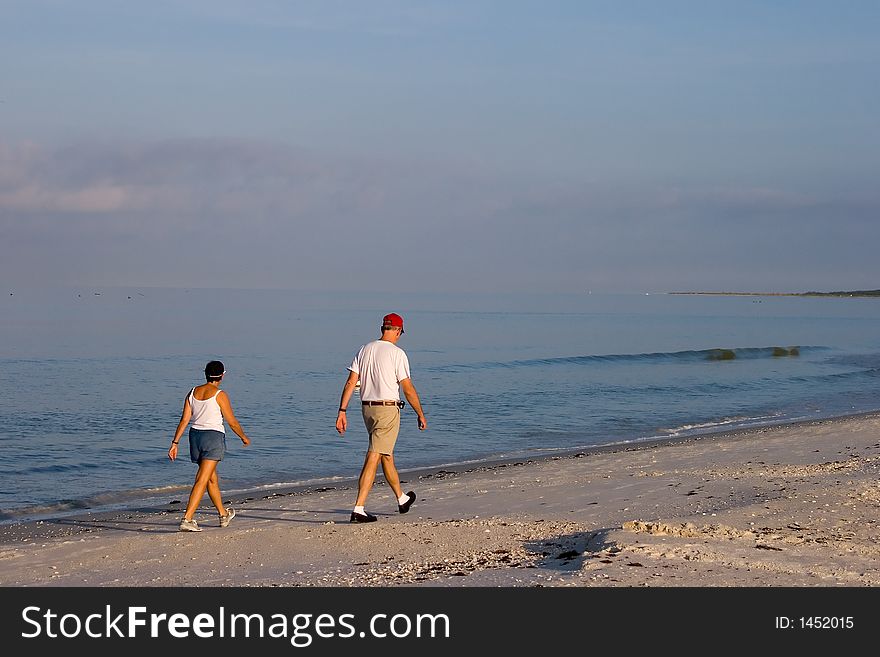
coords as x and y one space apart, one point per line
93 380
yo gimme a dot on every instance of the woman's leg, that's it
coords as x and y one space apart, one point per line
207 469
214 492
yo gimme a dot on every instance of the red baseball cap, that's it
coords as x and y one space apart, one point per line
392 319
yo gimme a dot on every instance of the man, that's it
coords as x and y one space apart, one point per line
382 368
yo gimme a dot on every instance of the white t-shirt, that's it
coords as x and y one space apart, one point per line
381 367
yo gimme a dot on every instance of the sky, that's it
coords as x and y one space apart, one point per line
441 146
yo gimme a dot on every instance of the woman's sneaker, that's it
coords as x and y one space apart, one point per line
189 525
230 514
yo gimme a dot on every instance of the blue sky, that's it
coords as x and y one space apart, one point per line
441 146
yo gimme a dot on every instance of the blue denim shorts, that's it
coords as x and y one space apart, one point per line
206 444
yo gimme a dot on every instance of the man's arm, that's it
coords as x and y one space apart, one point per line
409 391
347 392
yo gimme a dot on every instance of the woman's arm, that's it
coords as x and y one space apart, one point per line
229 416
185 417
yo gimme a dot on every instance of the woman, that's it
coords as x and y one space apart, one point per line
207 406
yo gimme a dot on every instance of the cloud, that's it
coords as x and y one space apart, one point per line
137 212
231 177
184 176
96 198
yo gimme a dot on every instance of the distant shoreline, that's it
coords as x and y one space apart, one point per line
854 293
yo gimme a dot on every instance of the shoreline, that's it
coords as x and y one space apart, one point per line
786 505
65 523
71 522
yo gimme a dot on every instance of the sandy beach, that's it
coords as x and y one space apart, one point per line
795 505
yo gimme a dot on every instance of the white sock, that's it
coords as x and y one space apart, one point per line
403 499
360 510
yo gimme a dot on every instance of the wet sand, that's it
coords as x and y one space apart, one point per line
794 505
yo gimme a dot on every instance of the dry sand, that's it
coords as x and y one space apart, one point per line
795 505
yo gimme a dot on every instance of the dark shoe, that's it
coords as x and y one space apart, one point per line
403 508
362 517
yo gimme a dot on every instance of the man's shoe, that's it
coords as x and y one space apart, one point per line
403 508
230 514
189 525
362 517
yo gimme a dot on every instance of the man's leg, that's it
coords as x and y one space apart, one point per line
368 476
391 475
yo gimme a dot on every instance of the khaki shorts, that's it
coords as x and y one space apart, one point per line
383 425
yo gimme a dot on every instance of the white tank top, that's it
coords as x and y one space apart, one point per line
206 413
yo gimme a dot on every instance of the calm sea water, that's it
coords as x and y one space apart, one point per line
93 380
